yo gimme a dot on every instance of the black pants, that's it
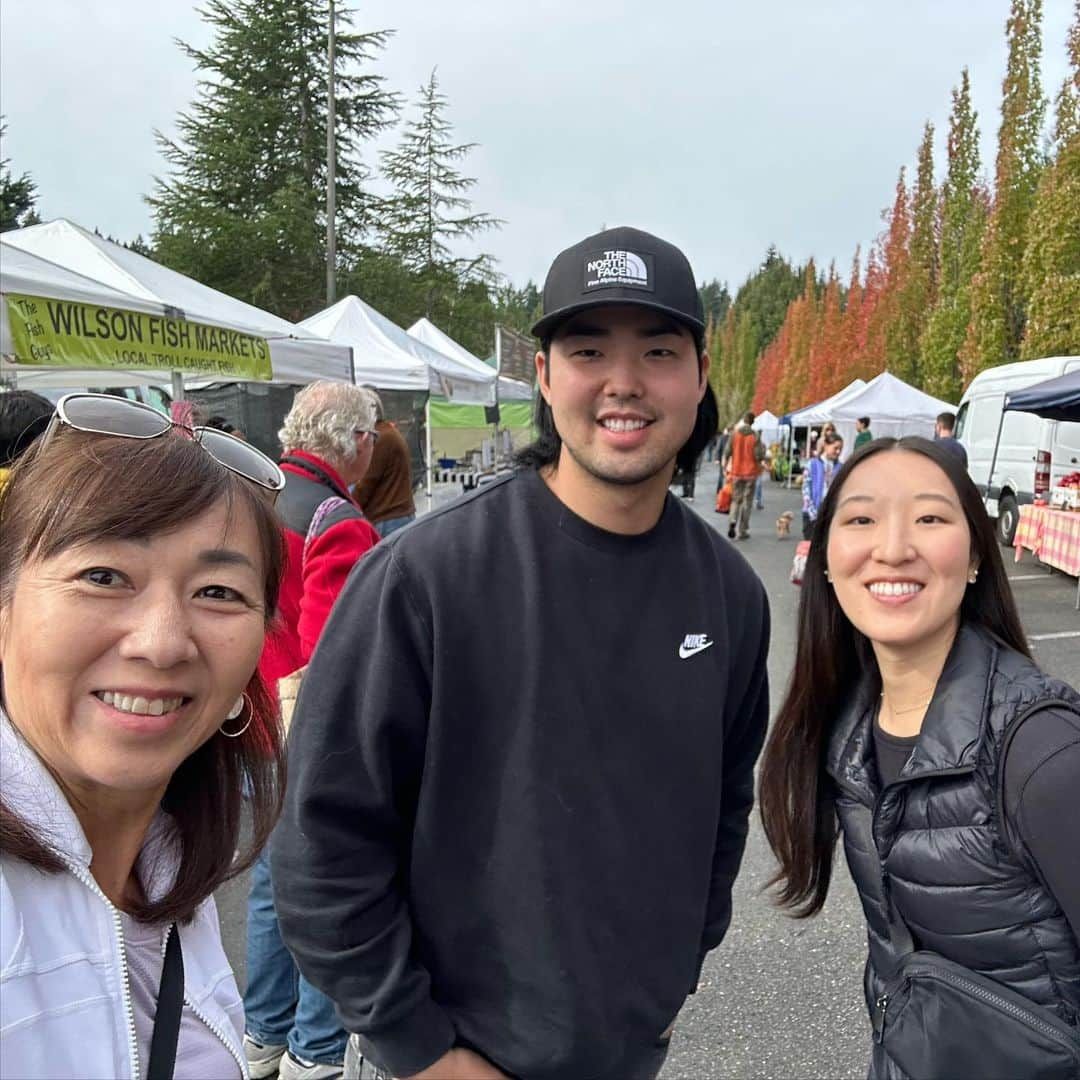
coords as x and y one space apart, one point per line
807 527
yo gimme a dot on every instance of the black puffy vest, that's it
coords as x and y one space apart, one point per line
935 838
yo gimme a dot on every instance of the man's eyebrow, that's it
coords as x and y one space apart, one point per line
225 557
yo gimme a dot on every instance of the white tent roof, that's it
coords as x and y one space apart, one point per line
887 398
388 358
514 389
766 421
824 410
509 389
68 256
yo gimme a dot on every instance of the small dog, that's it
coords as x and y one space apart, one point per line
783 524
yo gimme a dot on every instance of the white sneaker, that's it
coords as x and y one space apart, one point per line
262 1060
294 1068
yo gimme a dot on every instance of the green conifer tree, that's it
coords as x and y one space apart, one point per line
430 212
917 291
1051 270
962 222
16 195
998 299
244 206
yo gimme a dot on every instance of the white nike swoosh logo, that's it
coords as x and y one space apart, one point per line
684 652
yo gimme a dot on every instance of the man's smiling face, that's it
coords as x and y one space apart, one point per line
624 384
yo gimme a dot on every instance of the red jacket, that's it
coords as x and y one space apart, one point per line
309 588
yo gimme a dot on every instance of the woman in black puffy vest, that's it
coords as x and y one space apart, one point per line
918 725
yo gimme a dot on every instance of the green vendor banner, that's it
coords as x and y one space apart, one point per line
512 414
62 333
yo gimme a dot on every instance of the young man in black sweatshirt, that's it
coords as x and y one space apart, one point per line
519 790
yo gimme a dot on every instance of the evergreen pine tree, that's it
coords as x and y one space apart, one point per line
430 212
1051 269
243 208
998 299
16 195
962 221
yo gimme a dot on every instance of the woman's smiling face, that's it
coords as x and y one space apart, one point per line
122 657
899 550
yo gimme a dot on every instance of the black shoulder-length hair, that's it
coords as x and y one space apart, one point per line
832 657
79 488
544 450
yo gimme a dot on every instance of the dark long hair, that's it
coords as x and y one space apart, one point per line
832 658
544 450
79 488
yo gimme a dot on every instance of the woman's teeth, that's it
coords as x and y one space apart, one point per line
139 705
895 588
614 424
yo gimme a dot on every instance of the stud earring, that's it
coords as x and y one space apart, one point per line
973 576
234 714
828 577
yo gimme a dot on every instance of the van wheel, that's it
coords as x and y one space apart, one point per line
1007 519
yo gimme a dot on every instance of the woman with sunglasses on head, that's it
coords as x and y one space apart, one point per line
138 570
918 726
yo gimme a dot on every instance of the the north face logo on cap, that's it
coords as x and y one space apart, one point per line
604 269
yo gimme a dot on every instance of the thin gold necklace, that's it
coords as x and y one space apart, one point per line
911 708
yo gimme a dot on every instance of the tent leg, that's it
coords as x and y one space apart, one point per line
993 459
427 442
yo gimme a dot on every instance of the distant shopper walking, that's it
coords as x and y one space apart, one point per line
744 457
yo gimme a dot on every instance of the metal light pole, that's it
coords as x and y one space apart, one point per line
331 156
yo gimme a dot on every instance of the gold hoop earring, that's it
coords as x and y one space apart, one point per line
243 701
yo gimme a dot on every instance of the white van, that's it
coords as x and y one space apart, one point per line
1033 455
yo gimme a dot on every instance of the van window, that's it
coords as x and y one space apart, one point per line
983 418
961 420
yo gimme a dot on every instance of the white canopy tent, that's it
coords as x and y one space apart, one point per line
388 358
893 407
61 261
426 331
817 414
768 425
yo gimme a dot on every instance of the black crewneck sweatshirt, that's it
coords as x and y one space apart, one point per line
520 774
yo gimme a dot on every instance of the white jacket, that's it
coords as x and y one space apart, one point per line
65 1004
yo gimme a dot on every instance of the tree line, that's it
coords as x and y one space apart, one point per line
965 275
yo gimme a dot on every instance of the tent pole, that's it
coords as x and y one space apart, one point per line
993 459
427 440
178 386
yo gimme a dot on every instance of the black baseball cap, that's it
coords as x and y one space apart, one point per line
621 266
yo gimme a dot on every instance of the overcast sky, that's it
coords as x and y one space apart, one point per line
724 127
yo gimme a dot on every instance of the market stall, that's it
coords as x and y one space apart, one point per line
1052 531
110 316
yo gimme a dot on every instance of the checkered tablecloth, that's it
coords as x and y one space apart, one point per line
1053 535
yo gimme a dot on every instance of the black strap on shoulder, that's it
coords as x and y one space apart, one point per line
170 1005
317 473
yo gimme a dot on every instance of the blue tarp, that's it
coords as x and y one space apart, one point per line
1055 399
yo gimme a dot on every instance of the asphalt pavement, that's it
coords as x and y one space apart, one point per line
782 998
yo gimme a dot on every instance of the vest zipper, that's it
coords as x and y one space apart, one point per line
118 927
878 1021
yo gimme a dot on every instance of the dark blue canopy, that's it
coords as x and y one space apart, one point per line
1055 399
